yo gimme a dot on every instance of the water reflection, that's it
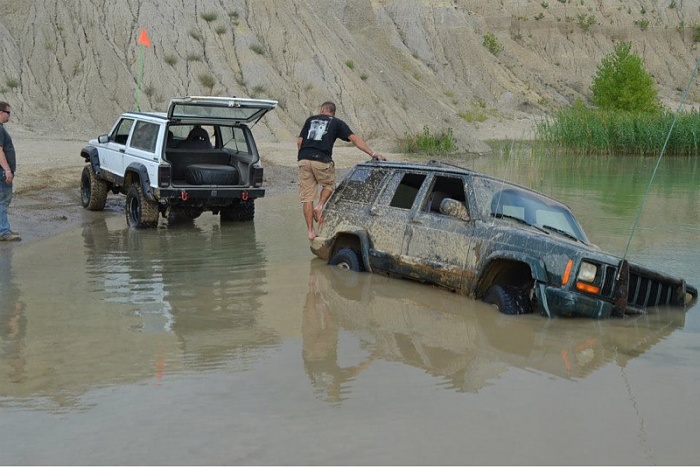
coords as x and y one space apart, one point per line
464 342
13 322
203 283
319 329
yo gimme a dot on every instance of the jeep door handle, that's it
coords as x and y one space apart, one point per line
121 150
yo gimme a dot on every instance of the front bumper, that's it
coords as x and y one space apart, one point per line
567 303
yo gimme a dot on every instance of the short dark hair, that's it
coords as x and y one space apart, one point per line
329 106
4 105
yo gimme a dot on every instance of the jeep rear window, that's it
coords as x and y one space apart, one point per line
362 185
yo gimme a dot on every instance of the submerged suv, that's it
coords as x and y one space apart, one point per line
199 156
483 237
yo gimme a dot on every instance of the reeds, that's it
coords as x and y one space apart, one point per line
596 132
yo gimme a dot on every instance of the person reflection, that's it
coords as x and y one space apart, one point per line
319 330
13 322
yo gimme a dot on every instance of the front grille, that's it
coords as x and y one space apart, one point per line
644 291
609 276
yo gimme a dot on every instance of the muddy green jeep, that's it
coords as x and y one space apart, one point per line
482 237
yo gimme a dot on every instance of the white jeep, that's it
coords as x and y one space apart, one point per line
199 156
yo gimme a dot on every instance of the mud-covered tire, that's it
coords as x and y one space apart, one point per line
240 211
510 300
141 213
93 191
347 258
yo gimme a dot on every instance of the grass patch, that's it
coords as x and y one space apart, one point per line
209 17
427 143
599 132
170 59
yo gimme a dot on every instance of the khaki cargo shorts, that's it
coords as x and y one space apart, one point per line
311 175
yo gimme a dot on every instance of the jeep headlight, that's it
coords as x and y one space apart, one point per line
587 272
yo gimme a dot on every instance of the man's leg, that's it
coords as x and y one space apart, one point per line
325 194
5 198
325 175
307 193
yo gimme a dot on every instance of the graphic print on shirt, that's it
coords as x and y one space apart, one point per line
317 129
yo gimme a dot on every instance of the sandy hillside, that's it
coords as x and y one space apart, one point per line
393 66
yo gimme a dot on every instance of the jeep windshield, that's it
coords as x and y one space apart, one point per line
499 201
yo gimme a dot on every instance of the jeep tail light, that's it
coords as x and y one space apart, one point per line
163 175
257 176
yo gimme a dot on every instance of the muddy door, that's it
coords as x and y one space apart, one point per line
439 233
389 218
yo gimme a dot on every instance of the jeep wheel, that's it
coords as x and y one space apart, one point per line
509 299
240 211
93 191
346 258
141 213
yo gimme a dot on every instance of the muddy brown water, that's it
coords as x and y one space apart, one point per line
232 344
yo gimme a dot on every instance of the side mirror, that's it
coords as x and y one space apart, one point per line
103 139
453 208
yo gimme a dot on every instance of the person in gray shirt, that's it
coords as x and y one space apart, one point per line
8 164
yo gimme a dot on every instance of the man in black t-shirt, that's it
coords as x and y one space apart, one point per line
315 160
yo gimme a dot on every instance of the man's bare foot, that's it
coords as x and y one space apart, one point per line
312 234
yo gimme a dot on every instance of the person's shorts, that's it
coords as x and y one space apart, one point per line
311 175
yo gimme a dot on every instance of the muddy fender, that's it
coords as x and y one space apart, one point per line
144 180
91 155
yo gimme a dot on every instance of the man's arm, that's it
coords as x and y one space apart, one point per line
299 141
5 166
362 146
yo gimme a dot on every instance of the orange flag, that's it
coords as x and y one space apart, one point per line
143 38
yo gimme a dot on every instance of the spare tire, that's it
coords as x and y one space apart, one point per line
211 174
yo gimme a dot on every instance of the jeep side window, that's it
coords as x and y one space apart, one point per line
444 187
407 190
121 132
145 136
362 185
234 138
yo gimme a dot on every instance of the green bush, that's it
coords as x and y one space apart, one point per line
492 44
428 143
622 83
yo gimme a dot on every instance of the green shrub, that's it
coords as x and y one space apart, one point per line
428 143
258 49
209 16
350 64
170 59
207 81
492 44
622 83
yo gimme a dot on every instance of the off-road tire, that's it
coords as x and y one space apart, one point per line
347 258
240 211
141 213
93 191
509 299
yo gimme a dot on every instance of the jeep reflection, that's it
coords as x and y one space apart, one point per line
483 237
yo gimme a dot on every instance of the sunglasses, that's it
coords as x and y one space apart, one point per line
6 111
